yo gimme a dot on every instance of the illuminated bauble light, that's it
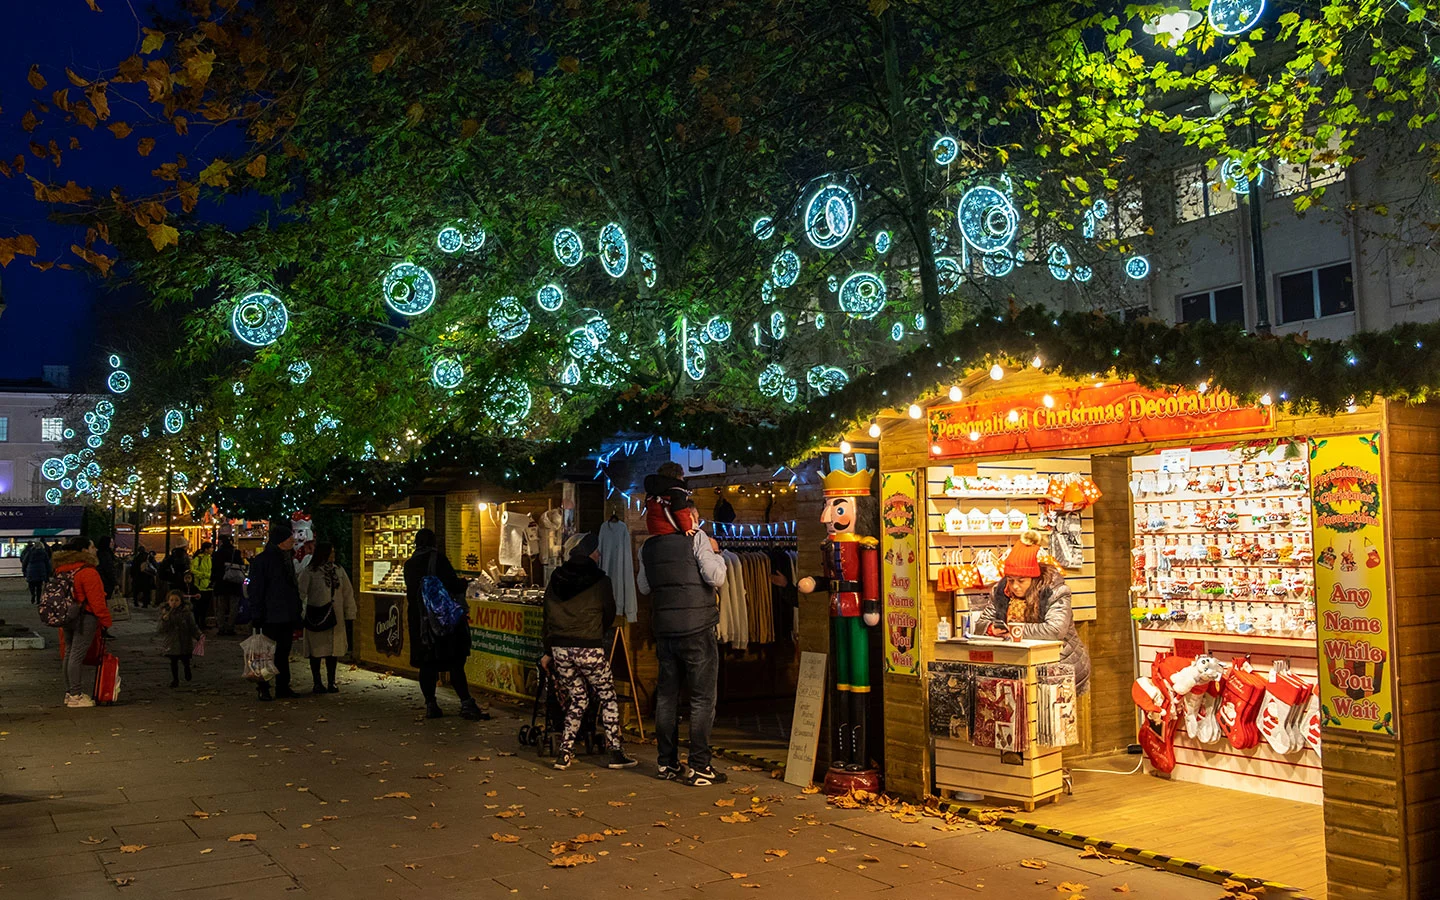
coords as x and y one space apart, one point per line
614 249
1058 259
509 318
97 424
777 325
832 284
174 421
824 380
948 274
763 228
300 371
105 408
919 321
67 484
118 382
1101 208
93 470
287 437
599 327
1137 267
1232 17
408 289
450 240
695 359
874 431
897 331
883 243
1232 172
94 442
862 296
179 481
945 150
1084 274
238 387
719 329
1087 228
581 342
1037 363
790 392
82 483
915 411
71 461
472 236
829 217
996 372
767 292
570 375
956 393
938 241
987 219
550 297
568 247
997 265
69 434
820 321
53 496
114 361
53 469
845 447
1173 23
447 373
649 268
1048 401
771 380
227 443
127 443
785 270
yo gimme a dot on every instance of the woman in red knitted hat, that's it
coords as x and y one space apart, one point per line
1032 601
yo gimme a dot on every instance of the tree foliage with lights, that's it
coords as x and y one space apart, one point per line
400 145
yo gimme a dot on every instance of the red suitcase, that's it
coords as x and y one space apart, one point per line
107 679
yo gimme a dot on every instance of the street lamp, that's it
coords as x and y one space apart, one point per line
1174 22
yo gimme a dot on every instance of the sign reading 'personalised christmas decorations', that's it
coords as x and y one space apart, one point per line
1352 602
900 500
1107 415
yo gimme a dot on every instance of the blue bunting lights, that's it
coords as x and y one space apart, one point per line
568 247
764 228
987 219
174 421
948 274
649 268
863 295
829 217
1137 267
614 250
300 371
719 329
945 150
1234 17
447 373
882 243
118 382
259 319
1058 259
824 380
408 289
550 297
509 318
785 270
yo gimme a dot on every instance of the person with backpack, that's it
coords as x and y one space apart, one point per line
227 578
437 645
329 601
36 567
74 601
275 606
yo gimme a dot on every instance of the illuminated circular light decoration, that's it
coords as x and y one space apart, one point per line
94 442
98 424
71 461
570 375
174 421
946 150
259 319
82 483
997 265
114 361
53 496
581 342
568 247
599 328
1087 229
777 325
825 379
1232 17
614 250
507 400
53 469
118 382
771 380
550 297
86 455
105 408
819 321
450 240
649 268
863 295
408 289
1137 267
287 437
127 443
472 237
897 331
832 284
1232 172
829 217
785 270
1101 208
509 317
93 470
1058 259
882 243
447 373
69 434
790 392
764 228
145 431
938 241
300 372
1083 273
239 388
695 359
767 292
948 273
988 220
227 443
67 484
719 329
919 321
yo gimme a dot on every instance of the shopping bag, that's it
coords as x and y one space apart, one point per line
259 653
199 647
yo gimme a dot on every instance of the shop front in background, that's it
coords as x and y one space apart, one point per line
1230 569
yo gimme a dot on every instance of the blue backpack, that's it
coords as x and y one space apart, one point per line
442 613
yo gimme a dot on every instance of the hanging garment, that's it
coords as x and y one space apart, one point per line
617 559
514 542
551 525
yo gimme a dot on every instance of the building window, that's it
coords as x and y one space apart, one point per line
1316 293
7 478
52 430
1128 314
1297 178
1201 192
1220 306
4 428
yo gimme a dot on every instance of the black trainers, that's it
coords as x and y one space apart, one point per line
705 777
432 710
618 760
472 711
671 773
563 759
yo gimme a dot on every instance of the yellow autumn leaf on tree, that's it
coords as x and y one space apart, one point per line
145 145
381 61
569 64
256 169
120 130
70 193
162 236
217 174
199 66
154 40
37 81
19 245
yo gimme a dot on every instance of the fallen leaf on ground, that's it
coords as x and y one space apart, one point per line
1034 863
93 840
750 884
588 838
492 793
870 859
212 849
810 789
738 875
132 848
122 882
778 854
725 802
820 859
394 795
920 844
298 846
505 838
237 838
1072 887
1092 853
1121 889
618 803
735 818
412 865
570 862
199 814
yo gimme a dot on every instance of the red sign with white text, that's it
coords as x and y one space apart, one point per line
1107 416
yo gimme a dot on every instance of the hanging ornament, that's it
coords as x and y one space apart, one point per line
259 319
764 228
777 325
987 219
1058 259
785 270
408 289
447 373
174 421
1137 267
118 382
829 217
649 268
1234 17
299 372
718 329
825 379
507 400
882 243
897 331
862 295
948 273
550 297
998 265
568 247
614 250
946 150
771 380
509 318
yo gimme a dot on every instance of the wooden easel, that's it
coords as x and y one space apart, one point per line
632 691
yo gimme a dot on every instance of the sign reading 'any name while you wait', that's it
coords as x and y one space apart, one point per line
1109 415
901 549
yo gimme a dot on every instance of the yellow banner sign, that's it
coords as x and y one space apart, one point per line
504 646
901 547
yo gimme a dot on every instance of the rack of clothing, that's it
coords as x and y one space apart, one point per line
754 608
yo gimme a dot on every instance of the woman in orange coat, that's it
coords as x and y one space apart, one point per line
79 562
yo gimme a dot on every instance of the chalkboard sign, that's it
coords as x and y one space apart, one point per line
805 728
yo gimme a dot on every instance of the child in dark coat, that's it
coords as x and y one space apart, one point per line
178 632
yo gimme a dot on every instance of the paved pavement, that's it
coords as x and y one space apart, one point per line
201 792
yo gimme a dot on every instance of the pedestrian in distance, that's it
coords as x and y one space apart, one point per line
109 565
275 606
142 576
227 579
178 633
329 600
36 566
77 563
445 652
579 610
202 565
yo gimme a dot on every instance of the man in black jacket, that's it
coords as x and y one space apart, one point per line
275 608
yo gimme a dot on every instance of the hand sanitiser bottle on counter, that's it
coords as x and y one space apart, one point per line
942 630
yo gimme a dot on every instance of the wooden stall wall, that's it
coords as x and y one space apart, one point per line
1112 718
365 615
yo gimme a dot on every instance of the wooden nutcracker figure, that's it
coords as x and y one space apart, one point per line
852 578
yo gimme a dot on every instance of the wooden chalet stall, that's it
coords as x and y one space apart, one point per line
1188 524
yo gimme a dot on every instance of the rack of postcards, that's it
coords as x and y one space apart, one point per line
386 541
1222 546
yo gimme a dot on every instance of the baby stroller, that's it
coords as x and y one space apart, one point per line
546 728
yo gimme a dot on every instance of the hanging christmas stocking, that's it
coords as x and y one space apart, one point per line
1283 704
1311 723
